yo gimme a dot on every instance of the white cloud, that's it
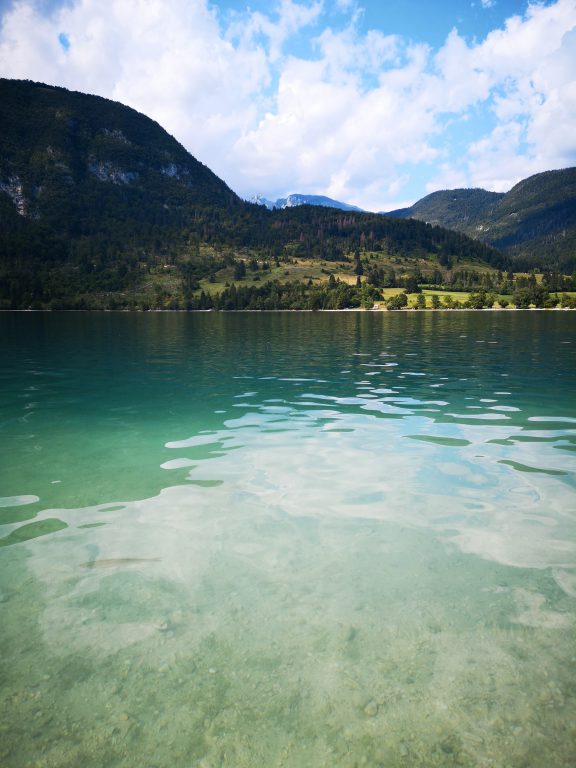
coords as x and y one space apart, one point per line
448 177
328 126
495 162
355 117
291 17
533 67
461 82
346 51
345 5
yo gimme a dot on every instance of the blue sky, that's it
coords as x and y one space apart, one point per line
420 20
373 103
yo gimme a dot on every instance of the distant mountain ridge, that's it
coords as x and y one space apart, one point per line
298 199
534 222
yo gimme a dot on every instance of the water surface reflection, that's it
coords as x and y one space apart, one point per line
288 539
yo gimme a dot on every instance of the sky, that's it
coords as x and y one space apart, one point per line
372 102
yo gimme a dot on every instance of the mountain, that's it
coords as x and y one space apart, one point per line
101 163
99 201
294 200
456 209
93 194
534 223
259 200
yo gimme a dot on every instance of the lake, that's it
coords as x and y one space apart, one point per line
288 539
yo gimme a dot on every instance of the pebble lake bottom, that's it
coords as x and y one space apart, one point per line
288 539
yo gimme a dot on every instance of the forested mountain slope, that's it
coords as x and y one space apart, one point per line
534 223
94 197
83 165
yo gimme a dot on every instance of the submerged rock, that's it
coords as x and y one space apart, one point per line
371 709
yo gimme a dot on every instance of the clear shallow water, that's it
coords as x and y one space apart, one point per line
288 540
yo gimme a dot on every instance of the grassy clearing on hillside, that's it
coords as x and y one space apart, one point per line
318 271
162 286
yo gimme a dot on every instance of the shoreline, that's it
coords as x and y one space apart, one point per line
372 310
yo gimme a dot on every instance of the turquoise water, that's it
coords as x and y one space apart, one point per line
288 539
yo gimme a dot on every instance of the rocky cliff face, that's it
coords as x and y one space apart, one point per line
14 188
